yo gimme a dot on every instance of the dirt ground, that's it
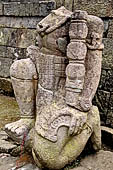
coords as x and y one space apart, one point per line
9 110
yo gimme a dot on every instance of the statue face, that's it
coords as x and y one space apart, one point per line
53 30
56 40
54 20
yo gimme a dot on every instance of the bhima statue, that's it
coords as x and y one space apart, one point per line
54 88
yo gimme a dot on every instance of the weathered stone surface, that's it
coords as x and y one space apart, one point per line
102 79
5 64
17 37
109 120
107 60
42 8
6 147
19 22
106 82
12 53
74 51
101 160
25 82
92 61
3 135
24 163
75 70
102 99
7 162
93 162
29 167
6 86
23 70
74 30
3 37
52 156
67 3
16 53
102 8
1 10
3 51
61 117
110 31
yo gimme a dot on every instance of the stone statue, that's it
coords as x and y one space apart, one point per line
55 86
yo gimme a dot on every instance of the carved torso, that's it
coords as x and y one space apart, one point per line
52 61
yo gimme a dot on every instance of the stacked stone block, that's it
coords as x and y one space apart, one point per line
76 53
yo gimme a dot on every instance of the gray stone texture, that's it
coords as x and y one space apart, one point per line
110 32
41 8
5 64
12 53
6 147
0 8
17 37
20 22
101 8
100 161
107 60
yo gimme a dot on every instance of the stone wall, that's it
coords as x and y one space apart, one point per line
18 19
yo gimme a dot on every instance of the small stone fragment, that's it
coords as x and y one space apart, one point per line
6 147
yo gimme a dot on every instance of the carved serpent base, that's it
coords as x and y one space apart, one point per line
59 139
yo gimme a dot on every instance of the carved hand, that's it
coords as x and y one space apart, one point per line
77 123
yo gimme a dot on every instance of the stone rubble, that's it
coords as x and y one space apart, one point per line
102 160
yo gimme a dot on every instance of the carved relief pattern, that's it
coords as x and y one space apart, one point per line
76 52
49 127
48 124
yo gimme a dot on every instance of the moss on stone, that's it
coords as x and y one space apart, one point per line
9 110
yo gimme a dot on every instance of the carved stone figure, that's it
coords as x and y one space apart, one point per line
55 86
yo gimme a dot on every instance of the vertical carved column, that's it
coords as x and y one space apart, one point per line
76 53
